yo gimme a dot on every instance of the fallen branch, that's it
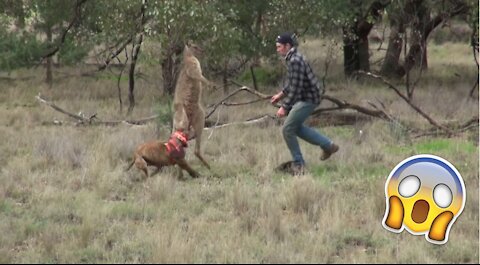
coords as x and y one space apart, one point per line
409 102
455 128
93 119
55 107
242 88
264 118
341 104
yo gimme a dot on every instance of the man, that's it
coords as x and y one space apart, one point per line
301 95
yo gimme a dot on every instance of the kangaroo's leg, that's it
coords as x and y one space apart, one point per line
180 123
198 123
180 119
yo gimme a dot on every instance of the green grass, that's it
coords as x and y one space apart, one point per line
436 147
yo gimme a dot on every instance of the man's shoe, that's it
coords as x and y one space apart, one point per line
292 168
327 153
285 167
298 170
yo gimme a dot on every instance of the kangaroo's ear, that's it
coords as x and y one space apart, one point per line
189 43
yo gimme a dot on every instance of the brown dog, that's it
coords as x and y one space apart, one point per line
160 154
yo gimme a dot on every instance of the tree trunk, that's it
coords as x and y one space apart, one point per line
417 56
364 54
136 45
225 77
391 66
49 61
171 63
131 74
355 52
351 61
355 38
170 71
418 12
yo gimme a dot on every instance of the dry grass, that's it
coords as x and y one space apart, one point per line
65 198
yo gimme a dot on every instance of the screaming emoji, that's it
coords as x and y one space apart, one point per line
424 194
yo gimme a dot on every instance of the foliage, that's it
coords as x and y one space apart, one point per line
164 111
265 76
19 50
73 51
231 32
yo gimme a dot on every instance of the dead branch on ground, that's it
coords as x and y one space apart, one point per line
93 119
341 104
456 129
242 88
376 112
409 102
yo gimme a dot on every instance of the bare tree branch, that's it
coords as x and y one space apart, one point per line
264 118
242 88
55 107
115 54
93 119
119 89
410 103
75 20
468 125
346 105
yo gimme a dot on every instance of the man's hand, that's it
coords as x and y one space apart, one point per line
281 112
277 97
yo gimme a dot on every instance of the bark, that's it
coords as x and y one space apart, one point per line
171 61
391 67
417 12
135 52
225 77
351 61
355 39
131 75
170 69
49 61
421 29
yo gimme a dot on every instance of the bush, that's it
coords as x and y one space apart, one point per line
265 76
455 32
165 112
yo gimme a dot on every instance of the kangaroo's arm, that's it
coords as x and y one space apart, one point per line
194 71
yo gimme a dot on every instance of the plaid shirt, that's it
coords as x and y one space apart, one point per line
302 84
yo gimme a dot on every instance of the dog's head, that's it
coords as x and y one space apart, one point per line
181 137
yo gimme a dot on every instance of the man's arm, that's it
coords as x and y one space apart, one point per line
277 97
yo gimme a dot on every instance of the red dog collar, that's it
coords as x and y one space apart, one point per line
174 149
182 137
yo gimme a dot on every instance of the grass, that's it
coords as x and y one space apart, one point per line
65 197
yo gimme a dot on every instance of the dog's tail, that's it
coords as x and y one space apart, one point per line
130 165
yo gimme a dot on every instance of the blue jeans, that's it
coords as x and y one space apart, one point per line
294 127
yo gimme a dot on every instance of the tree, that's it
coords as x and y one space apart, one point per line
355 34
39 25
422 17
